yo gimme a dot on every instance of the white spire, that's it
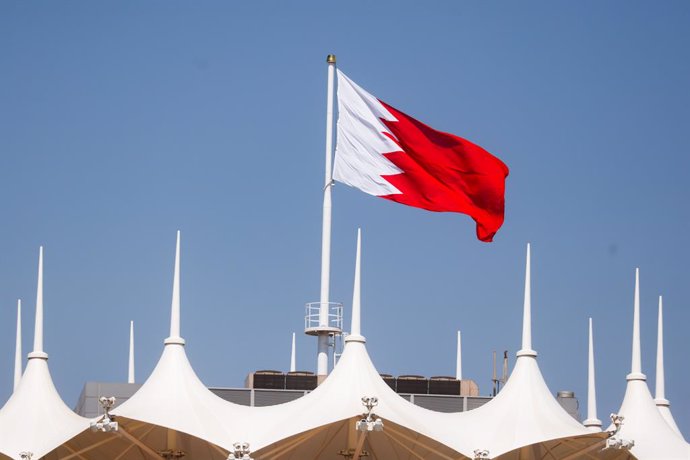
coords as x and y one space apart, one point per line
660 400
293 356
527 312
592 422
636 365
18 347
458 359
356 328
38 327
660 390
130 375
175 307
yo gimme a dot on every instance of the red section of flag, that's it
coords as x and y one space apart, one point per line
444 172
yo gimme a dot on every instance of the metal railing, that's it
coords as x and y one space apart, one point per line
334 319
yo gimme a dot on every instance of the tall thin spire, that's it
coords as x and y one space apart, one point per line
660 400
18 347
356 328
38 325
175 307
592 422
527 311
130 374
458 359
636 365
293 356
660 384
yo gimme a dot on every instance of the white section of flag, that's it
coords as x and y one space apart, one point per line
359 160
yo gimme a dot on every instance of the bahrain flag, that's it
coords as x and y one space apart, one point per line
386 153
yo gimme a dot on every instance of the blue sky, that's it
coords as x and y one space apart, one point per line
122 122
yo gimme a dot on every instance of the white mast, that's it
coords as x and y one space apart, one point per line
293 356
38 325
175 305
636 364
660 397
18 347
458 359
527 311
356 326
592 422
322 356
130 375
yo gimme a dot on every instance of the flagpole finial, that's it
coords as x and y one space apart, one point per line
330 59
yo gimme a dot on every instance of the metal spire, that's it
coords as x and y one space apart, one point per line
18 347
130 374
293 356
38 327
356 329
175 307
527 311
592 422
660 390
636 365
458 359
660 400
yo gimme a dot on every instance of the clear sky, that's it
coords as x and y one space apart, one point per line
121 122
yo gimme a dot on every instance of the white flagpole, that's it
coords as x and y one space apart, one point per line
322 358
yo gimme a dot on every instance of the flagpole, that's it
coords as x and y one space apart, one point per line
322 357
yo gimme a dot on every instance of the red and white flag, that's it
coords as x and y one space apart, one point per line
389 154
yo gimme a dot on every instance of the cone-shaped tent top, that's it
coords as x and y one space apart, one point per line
174 398
525 412
35 419
643 423
338 400
18 347
592 422
660 398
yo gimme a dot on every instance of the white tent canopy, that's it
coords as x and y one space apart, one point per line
643 423
174 414
322 424
35 420
524 419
